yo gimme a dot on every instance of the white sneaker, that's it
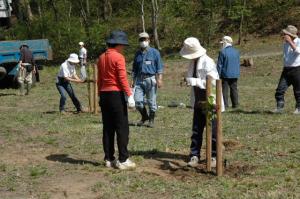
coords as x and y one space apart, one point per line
194 161
213 163
128 164
278 110
110 164
297 111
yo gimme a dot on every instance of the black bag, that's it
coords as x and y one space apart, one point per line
28 68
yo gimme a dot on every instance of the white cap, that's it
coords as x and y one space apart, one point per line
81 43
143 35
192 48
226 39
73 58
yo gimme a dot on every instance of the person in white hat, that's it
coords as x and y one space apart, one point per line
201 66
83 60
147 72
228 67
291 70
66 75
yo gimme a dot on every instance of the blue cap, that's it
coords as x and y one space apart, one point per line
117 37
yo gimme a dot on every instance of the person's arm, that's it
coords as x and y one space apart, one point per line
134 71
220 62
290 41
159 70
122 76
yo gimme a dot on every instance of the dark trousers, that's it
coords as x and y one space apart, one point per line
289 76
199 122
63 86
230 83
115 121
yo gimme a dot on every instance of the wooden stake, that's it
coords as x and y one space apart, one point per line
219 129
95 90
89 88
208 126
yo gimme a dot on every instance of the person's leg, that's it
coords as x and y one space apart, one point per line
63 98
281 89
151 95
214 138
295 79
68 87
234 92
108 126
28 80
225 92
197 130
21 79
120 121
139 102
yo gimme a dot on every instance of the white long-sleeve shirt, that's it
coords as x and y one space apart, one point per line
291 57
205 66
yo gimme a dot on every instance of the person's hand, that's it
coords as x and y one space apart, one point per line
131 102
287 38
190 81
159 83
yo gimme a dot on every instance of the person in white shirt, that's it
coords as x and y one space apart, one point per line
83 60
201 66
291 69
66 75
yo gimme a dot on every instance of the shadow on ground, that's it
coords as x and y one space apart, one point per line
63 158
7 94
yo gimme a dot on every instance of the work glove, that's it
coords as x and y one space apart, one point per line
191 81
131 102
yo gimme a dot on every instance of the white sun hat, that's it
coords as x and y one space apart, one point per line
226 39
81 43
73 58
192 48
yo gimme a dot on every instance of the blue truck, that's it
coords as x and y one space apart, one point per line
10 56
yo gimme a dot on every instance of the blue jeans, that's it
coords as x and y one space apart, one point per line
146 87
63 86
199 122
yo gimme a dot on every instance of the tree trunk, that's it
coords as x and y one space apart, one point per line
107 12
143 15
54 9
88 7
241 24
154 23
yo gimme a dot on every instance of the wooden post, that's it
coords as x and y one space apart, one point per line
89 88
208 126
219 129
95 90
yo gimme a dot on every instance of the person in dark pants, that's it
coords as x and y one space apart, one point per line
114 89
291 70
228 67
200 67
66 75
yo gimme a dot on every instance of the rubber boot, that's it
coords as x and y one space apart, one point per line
145 116
151 119
28 89
22 89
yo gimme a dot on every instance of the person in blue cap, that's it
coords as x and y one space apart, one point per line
113 90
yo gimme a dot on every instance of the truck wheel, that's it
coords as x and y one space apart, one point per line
2 72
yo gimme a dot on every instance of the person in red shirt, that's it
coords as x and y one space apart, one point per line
114 90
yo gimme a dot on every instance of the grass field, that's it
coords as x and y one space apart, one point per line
46 155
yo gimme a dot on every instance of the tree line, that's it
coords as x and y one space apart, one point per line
66 22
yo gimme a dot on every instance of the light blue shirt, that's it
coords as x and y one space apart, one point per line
291 57
147 62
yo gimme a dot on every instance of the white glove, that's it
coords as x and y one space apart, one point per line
190 81
131 102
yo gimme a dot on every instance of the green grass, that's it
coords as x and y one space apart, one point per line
46 155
